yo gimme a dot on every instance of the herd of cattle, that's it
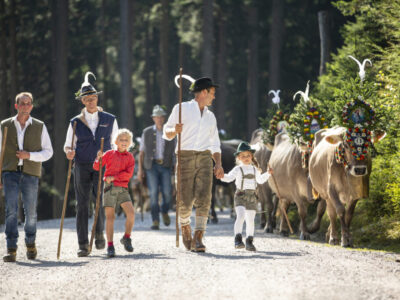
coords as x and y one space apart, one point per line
335 186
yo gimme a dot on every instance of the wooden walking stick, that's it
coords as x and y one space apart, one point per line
97 198
66 194
3 146
178 171
282 210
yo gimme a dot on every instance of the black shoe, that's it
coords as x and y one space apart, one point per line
31 251
249 244
110 251
99 241
156 225
127 242
83 250
11 255
166 219
238 241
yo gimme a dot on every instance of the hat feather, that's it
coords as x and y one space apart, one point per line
86 82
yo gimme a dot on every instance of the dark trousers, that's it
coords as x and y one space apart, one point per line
86 182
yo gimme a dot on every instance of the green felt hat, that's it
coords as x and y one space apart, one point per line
243 146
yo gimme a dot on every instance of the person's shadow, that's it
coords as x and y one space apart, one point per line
37 263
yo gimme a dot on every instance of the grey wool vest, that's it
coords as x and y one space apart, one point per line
149 136
32 143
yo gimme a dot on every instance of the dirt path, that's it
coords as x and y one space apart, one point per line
281 268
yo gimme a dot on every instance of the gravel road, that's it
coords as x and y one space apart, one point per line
282 268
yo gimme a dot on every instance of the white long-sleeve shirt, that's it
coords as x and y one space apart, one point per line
248 184
92 120
199 132
39 156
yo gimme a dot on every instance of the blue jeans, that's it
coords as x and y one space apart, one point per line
159 179
13 184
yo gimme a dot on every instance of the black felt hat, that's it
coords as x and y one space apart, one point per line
243 146
86 88
202 84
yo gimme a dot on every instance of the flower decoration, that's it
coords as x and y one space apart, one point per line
358 112
278 123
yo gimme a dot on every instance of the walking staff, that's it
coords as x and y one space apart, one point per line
178 182
65 196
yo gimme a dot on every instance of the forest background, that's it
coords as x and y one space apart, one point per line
136 47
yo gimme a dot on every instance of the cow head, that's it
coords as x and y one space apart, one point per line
352 147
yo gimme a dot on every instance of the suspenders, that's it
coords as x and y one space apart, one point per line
248 176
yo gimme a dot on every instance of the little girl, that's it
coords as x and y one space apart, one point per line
119 170
246 175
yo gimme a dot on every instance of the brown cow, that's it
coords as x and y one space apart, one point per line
341 184
292 184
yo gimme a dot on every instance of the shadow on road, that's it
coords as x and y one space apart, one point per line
48 264
138 256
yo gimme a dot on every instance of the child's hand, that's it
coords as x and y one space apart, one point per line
270 171
99 154
109 179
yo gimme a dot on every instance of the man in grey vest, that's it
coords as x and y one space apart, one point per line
27 146
156 159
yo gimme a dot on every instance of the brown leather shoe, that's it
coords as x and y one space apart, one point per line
187 236
11 255
31 251
197 244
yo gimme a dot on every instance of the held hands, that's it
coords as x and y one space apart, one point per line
270 171
218 171
70 154
109 179
23 155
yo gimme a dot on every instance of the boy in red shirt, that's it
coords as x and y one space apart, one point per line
119 169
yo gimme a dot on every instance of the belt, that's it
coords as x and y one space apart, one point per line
193 152
159 161
19 168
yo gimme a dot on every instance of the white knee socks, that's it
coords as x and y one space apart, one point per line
250 215
241 215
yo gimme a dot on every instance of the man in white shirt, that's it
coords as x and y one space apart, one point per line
27 146
92 124
200 144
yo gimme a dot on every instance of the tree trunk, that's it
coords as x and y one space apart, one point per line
60 13
276 32
3 65
147 72
104 63
13 56
323 22
127 107
222 75
164 32
208 38
252 73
